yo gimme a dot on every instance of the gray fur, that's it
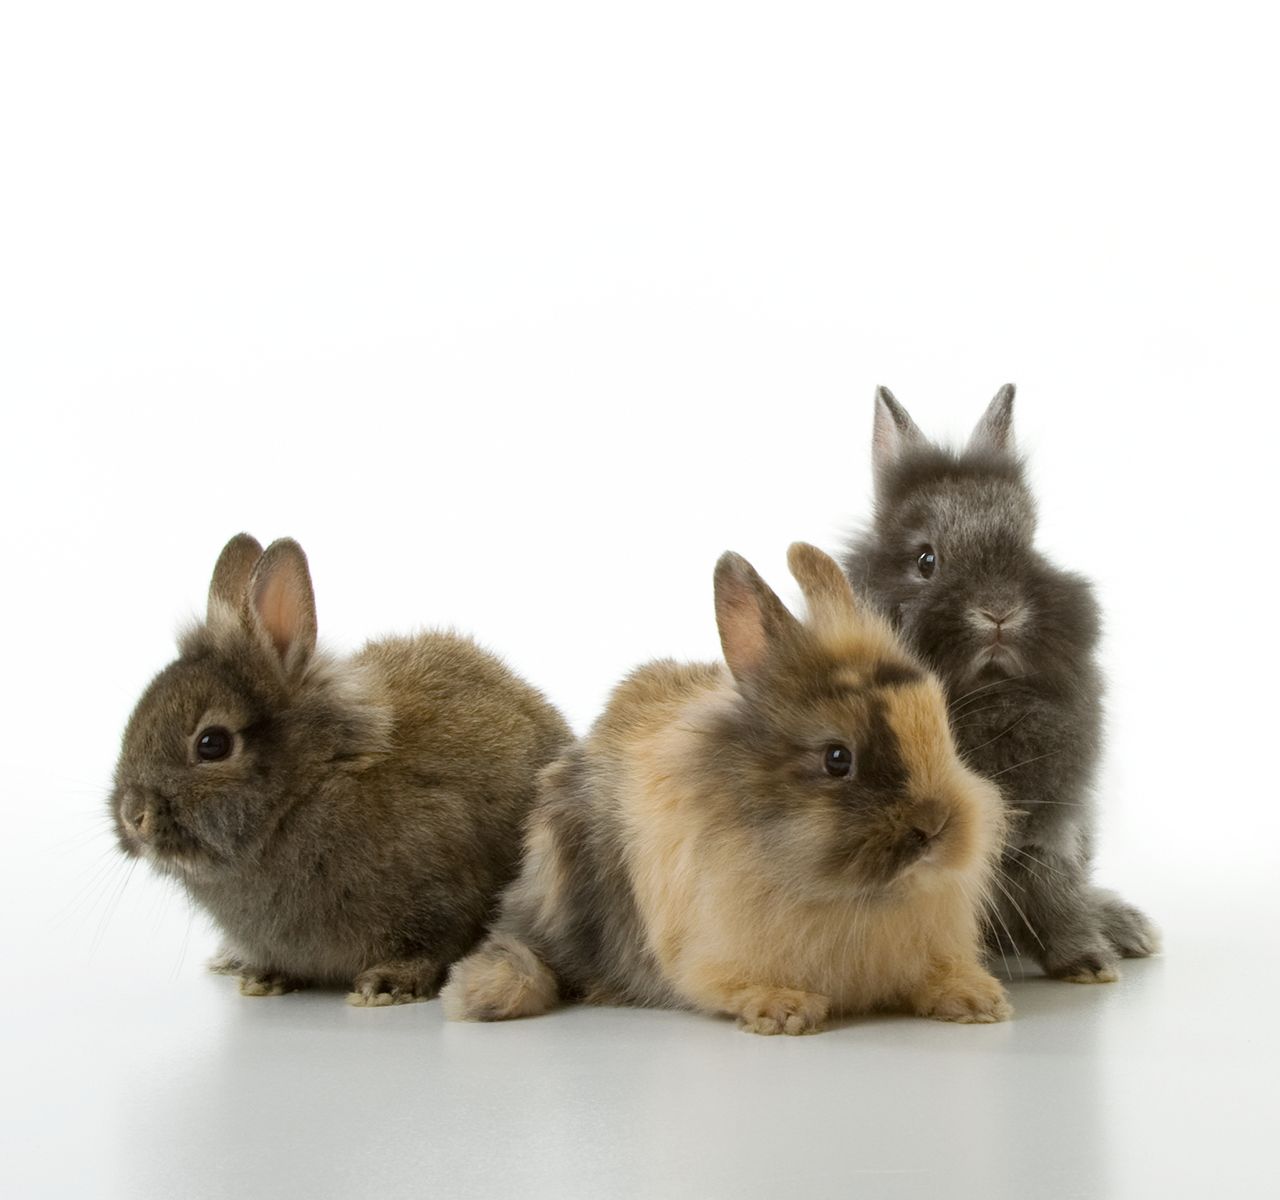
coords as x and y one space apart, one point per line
593 939
371 810
1029 715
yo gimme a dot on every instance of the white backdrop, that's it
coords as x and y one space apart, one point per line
516 316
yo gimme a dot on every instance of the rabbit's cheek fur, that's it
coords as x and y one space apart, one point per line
180 828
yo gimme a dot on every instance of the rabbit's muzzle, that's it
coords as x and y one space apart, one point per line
148 825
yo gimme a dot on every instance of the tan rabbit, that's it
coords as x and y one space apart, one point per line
344 821
787 838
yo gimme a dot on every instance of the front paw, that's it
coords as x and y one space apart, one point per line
1128 929
254 982
402 982
1095 963
970 998
225 962
769 1011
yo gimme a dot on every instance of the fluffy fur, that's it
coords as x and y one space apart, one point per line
693 850
369 810
1013 639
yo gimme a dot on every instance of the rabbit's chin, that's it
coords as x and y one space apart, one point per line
184 864
931 872
998 660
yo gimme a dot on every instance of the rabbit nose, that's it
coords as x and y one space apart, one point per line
927 825
999 618
137 815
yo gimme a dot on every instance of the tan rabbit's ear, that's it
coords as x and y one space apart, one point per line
282 604
229 587
995 430
892 435
826 590
751 618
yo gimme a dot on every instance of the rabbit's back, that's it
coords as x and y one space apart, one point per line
461 706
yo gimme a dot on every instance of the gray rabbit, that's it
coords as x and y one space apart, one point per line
950 558
343 820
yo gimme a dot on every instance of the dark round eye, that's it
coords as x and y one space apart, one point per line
927 562
838 761
213 743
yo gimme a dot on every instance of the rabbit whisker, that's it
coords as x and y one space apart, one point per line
961 720
993 910
1023 854
112 904
954 704
1017 908
94 884
1023 763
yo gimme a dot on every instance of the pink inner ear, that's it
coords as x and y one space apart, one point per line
279 604
742 632
749 637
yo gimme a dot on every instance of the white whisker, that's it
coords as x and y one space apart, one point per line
1023 763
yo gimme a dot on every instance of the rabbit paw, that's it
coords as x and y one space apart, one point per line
1128 929
967 997
1096 964
768 1011
255 982
225 962
402 982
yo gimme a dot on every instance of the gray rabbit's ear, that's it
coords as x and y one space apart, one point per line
229 587
751 618
893 433
995 430
282 604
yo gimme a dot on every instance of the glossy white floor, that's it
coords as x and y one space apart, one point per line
143 1076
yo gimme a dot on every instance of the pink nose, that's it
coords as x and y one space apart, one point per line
137 817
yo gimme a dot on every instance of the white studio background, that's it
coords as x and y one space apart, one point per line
516 316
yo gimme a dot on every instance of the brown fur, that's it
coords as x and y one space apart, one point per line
691 851
371 810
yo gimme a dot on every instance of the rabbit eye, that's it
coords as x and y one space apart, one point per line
927 563
213 744
837 761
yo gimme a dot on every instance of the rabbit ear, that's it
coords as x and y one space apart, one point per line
751 618
281 602
230 583
995 430
894 432
826 590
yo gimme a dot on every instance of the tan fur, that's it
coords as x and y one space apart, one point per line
917 716
717 917
693 850
503 980
826 590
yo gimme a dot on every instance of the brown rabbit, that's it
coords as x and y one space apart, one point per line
344 821
791 837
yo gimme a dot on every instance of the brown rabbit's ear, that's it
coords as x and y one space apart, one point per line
894 432
751 618
229 587
281 602
825 587
995 430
